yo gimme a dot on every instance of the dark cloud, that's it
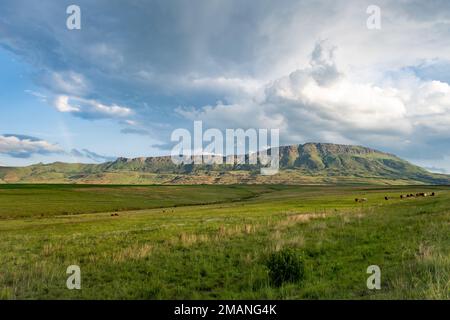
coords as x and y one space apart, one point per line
160 53
22 137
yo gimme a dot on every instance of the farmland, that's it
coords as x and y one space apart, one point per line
212 242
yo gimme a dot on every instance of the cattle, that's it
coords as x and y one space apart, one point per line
421 194
403 196
418 194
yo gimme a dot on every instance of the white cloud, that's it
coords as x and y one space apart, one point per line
62 105
90 109
23 146
320 103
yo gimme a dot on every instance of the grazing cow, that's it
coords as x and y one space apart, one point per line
421 194
360 199
386 198
432 194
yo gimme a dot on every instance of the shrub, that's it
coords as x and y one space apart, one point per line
285 265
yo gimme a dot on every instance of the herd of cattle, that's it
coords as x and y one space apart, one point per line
403 196
420 194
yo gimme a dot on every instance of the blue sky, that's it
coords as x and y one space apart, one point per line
137 71
26 110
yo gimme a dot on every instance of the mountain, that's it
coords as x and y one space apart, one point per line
310 163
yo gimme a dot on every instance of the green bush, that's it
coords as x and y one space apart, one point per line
285 266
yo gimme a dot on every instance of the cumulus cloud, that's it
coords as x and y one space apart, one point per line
25 147
321 103
21 146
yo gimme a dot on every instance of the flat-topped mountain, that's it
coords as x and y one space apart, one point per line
310 163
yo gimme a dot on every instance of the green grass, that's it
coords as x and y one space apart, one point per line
219 250
45 200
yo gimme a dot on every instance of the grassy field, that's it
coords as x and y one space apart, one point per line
45 200
212 242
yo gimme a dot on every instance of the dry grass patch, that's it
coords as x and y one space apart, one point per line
50 249
188 239
235 230
134 252
299 218
425 253
278 242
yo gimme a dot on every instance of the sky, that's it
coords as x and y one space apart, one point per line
138 70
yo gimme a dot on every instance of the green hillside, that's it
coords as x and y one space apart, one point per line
310 163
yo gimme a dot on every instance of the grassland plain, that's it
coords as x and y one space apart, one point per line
211 242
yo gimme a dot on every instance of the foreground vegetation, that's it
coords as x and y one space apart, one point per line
190 242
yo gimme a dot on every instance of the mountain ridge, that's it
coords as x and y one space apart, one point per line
316 163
